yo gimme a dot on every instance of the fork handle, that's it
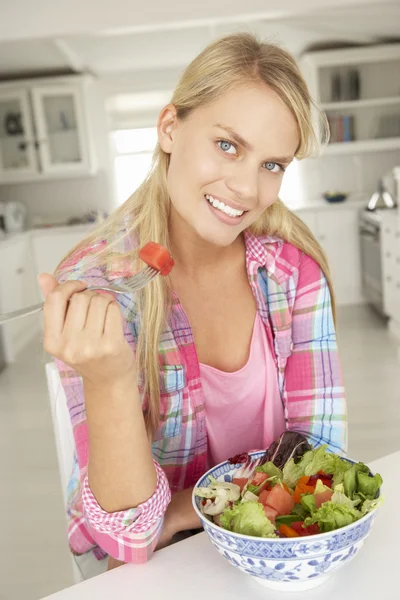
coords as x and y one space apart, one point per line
36 308
22 312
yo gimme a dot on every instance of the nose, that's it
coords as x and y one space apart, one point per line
243 180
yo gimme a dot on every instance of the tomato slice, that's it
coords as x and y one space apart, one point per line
263 497
259 478
240 481
304 531
298 527
157 257
312 529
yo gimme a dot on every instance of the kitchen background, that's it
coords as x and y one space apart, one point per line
81 85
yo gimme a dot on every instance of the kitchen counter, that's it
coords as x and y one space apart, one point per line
355 201
43 231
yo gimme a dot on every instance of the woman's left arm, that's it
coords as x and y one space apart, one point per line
180 516
313 392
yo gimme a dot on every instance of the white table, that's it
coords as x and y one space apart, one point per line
192 568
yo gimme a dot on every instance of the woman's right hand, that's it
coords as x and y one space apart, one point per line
84 329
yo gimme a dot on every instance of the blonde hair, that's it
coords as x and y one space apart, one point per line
233 60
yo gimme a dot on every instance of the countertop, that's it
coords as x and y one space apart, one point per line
354 201
192 569
43 231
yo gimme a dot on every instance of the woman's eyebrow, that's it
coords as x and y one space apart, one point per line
238 138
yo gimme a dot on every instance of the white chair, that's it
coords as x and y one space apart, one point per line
64 439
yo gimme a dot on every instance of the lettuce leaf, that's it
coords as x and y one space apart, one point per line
367 485
292 473
341 498
270 469
369 505
312 462
308 503
333 516
350 479
248 518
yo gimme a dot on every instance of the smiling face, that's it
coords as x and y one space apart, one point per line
227 160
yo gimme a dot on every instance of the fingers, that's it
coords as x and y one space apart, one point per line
113 325
97 314
77 311
47 283
55 307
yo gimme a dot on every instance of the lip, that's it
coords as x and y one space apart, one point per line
230 203
223 217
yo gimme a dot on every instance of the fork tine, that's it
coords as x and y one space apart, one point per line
141 279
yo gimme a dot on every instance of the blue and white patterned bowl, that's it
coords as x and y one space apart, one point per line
284 563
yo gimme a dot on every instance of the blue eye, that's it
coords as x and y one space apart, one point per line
271 166
226 147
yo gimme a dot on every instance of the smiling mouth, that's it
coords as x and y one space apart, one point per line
228 210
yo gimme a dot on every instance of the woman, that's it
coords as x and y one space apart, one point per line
236 346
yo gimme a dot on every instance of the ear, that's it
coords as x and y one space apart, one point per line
166 126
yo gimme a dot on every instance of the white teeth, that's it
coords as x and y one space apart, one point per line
228 210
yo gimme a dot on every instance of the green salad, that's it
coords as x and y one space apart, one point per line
293 491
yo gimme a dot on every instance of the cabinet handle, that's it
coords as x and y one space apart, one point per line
20 271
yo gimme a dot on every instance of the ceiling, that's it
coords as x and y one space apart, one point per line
156 44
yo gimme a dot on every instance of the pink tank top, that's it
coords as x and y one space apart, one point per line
243 409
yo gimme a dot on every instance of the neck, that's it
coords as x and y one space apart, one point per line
195 256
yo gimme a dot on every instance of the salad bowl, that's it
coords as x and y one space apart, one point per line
287 564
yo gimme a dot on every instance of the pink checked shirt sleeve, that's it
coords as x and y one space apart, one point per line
125 534
131 535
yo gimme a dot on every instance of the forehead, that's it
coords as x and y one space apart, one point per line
255 112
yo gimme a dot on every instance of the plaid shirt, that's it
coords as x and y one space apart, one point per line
294 303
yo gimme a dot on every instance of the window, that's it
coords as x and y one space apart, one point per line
133 153
291 190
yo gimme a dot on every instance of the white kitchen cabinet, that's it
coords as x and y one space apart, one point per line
336 230
49 247
309 217
21 260
17 153
18 289
338 236
390 248
44 130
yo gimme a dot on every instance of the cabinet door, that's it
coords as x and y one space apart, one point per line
17 148
17 290
61 129
390 253
339 238
49 248
309 217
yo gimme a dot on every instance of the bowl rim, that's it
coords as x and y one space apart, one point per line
304 539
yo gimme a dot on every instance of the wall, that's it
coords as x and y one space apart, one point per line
356 173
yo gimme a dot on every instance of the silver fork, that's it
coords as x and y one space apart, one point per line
130 286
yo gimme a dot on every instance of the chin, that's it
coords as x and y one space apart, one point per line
220 239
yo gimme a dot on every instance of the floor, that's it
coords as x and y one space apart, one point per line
34 558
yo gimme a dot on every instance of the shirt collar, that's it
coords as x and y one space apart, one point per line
263 249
